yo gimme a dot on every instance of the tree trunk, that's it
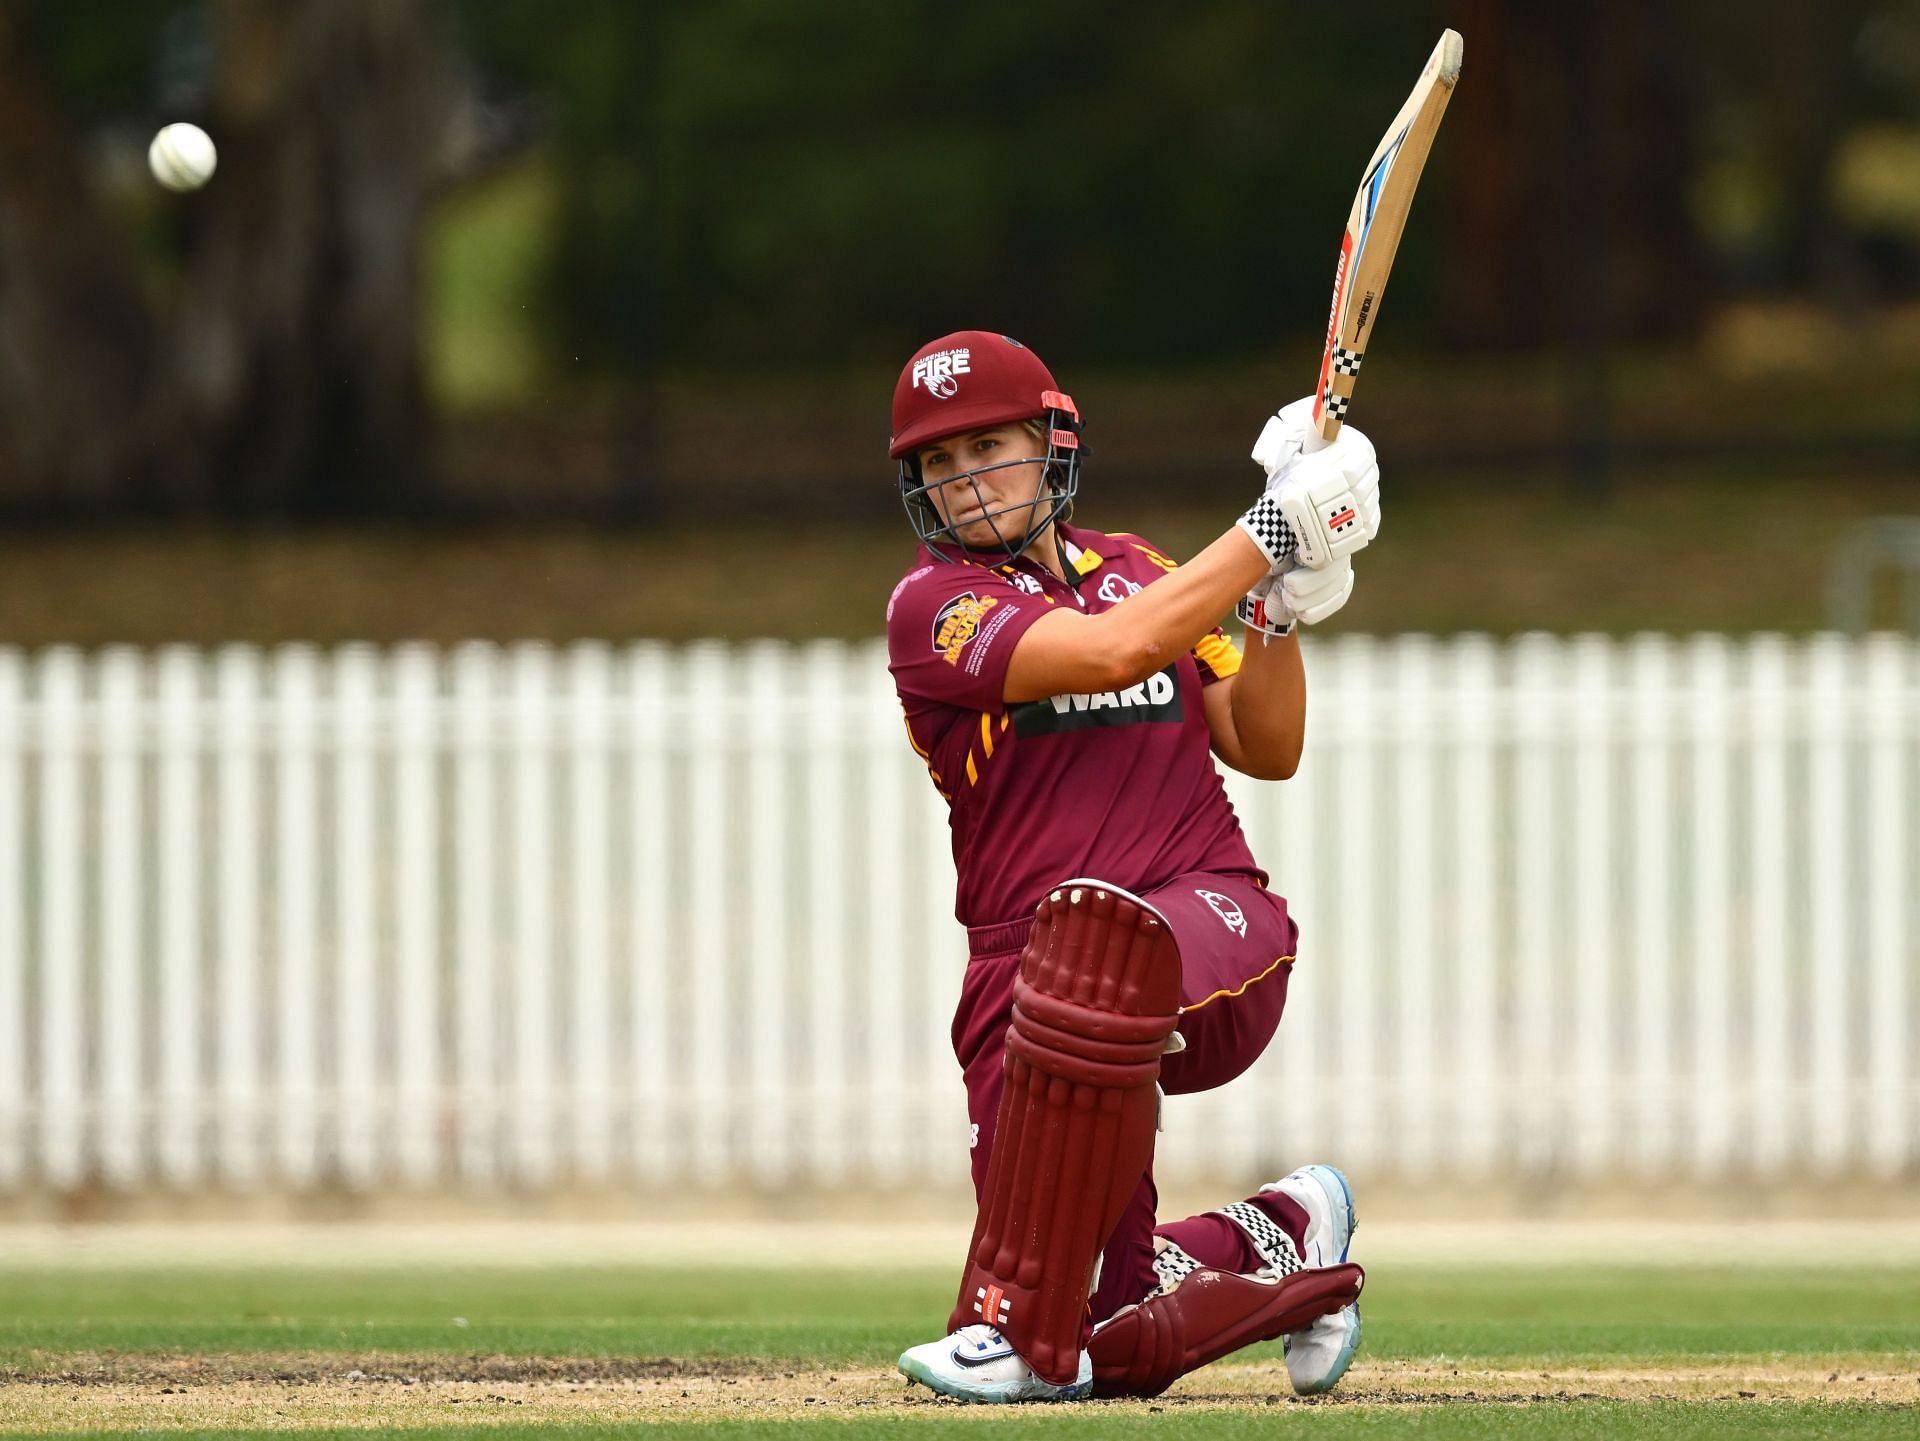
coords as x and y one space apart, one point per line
76 339
284 382
297 346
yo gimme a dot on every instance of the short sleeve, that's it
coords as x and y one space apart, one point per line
1216 656
951 630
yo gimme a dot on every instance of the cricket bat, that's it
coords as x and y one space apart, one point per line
1374 224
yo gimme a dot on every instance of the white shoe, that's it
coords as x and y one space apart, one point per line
975 1363
1319 1356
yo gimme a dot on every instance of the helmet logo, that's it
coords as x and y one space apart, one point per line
937 372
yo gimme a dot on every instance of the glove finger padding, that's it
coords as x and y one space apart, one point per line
1313 595
1284 437
1330 499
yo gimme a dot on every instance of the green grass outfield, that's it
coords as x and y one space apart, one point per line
1769 1347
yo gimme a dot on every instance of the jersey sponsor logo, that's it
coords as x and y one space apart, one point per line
957 622
1154 700
1115 588
938 373
1228 911
1020 580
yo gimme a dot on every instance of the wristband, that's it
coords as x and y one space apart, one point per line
1269 530
1254 614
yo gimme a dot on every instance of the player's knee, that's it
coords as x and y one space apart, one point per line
1101 943
1099 987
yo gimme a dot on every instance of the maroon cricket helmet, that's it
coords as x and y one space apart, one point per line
971 380
966 381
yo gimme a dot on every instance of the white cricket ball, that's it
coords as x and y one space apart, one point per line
182 156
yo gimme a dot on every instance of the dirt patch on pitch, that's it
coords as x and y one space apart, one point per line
374 1368
1405 1383
297 1392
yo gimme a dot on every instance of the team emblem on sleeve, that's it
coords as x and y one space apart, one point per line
957 622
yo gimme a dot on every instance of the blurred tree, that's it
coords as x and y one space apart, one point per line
278 377
1574 145
77 342
757 194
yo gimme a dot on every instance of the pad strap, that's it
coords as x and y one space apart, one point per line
1277 1251
1172 1265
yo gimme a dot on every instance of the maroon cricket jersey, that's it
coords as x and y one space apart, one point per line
1117 786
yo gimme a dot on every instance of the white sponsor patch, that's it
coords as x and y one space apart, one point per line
1156 690
938 373
1224 907
1116 588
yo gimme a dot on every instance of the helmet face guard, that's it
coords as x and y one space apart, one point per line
1014 527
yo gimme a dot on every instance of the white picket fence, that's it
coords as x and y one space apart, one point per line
530 917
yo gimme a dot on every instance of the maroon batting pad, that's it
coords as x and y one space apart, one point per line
1142 1351
1097 997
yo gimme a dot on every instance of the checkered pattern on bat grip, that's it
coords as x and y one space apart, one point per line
1269 529
1275 1246
1336 405
1172 1265
1345 362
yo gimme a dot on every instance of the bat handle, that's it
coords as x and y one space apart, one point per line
1314 440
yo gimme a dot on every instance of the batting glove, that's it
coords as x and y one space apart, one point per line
1306 596
1330 499
1284 437
1330 496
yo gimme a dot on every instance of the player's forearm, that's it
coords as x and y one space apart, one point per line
1269 701
1167 619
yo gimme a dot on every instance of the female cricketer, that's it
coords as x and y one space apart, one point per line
1068 691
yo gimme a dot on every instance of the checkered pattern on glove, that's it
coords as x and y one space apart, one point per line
1269 530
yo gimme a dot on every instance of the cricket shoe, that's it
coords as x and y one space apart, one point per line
1318 1356
975 1363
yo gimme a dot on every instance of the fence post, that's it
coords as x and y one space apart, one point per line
357 1002
181 1097
1597 915
296 702
237 1049
1891 702
532 1118
714 1002
1713 901
1827 978
1655 815
413 691
476 951
769 853
1476 941
1534 1126
62 1118
124 1133
1772 942
652 699
589 1108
